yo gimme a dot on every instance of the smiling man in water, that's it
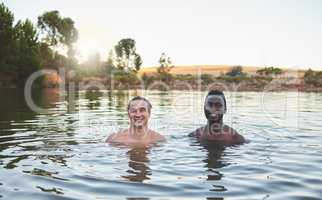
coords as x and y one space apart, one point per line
139 110
216 131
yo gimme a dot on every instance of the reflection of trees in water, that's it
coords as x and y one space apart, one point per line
118 105
31 132
93 97
138 165
121 99
165 98
71 99
13 108
213 163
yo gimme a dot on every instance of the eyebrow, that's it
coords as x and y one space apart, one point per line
145 107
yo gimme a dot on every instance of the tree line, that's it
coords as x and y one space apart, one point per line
26 47
50 44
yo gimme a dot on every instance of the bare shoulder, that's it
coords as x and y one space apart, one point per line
229 130
237 138
197 132
117 136
157 136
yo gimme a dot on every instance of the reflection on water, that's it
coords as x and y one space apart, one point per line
214 162
61 153
93 97
138 165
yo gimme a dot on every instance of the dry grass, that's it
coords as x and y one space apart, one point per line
216 70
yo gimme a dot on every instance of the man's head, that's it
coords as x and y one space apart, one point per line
215 106
139 110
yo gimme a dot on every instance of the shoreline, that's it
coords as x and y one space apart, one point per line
276 85
288 81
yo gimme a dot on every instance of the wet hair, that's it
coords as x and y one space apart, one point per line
140 98
218 93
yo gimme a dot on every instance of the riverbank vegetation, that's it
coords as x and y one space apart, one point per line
50 43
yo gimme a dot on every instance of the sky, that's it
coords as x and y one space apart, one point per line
283 33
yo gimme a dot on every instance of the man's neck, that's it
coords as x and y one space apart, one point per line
138 132
214 127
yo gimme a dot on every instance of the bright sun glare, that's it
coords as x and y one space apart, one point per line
85 49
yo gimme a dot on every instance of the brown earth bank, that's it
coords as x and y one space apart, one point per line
217 70
290 80
277 84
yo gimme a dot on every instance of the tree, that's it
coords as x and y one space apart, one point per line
109 66
7 39
126 56
57 31
137 62
165 64
206 79
313 78
165 67
236 71
21 52
27 50
268 71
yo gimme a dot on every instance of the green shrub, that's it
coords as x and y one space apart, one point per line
206 79
236 71
147 80
268 71
313 78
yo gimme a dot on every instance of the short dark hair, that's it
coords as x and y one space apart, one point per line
140 98
219 93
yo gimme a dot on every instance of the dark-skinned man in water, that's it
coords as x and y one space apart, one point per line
215 130
138 134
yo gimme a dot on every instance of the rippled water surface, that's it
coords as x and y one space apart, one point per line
61 154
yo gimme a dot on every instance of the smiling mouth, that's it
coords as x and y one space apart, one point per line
214 116
138 119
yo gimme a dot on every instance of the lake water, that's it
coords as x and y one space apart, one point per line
61 154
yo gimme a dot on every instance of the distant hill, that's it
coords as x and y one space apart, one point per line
217 70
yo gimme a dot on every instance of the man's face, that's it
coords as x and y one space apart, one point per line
214 108
139 113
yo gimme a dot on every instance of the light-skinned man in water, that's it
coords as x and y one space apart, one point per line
138 134
216 131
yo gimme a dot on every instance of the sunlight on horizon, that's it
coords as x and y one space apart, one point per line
85 50
249 33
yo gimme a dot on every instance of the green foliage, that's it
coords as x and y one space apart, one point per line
128 78
186 77
21 52
51 59
165 68
126 56
147 80
206 79
268 71
137 62
234 79
313 78
59 31
165 64
236 71
27 49
7 39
